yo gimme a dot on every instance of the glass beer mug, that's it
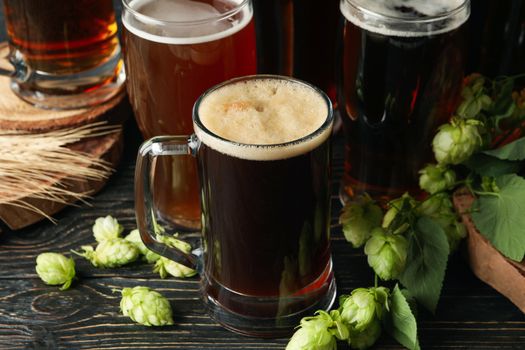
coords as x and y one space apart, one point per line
402 68
263 151
65 54
176 50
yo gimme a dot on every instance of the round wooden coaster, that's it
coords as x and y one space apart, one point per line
16 114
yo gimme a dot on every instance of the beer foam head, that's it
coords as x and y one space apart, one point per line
184 21
406 18
264 118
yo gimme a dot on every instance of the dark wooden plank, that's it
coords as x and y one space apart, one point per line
88 316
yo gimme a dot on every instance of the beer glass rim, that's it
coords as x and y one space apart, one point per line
152 20
426 20
328 122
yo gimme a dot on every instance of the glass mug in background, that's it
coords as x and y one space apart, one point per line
65 54
263 149
402 69
497 38
174 51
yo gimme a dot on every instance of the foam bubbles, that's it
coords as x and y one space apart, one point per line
178 15
180 10
406 18
263 112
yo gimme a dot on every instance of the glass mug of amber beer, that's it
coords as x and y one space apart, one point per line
263 149
65 54
174 51
402 69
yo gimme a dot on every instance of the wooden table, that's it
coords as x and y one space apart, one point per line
470 315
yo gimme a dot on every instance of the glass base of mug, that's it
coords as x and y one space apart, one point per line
268 317
72 91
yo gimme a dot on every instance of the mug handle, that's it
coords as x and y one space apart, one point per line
144 208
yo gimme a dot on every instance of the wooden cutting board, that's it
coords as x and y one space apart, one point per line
17 115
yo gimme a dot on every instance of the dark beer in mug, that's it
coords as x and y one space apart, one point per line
316 26
174 51
264 161
299 38
274 21
401 75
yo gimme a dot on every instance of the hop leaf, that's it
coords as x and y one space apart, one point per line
149 256
319 332
365 338
146 306
54 269
166 266
113 253
363 306
456 142
358 219
106 228
436 178
387 254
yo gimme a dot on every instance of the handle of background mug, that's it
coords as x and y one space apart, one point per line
144 207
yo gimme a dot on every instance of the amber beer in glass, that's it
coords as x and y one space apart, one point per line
402 68
263 149
174 51
66 54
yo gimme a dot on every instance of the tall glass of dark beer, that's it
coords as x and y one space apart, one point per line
174 51
65 54
402 68
262 144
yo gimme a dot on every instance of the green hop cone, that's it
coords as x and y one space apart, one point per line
455 232
367 337
106 228
358 219
149 256
167 267
474 96
172 241
405 202
387 254
436 178
488 184
363 307
456 142
319 332
146 306
440 209
113 253
55 269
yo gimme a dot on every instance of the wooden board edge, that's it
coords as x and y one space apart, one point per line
486 262
17 218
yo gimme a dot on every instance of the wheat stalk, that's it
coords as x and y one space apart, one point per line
33 165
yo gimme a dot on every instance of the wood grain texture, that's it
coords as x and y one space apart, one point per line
471 315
